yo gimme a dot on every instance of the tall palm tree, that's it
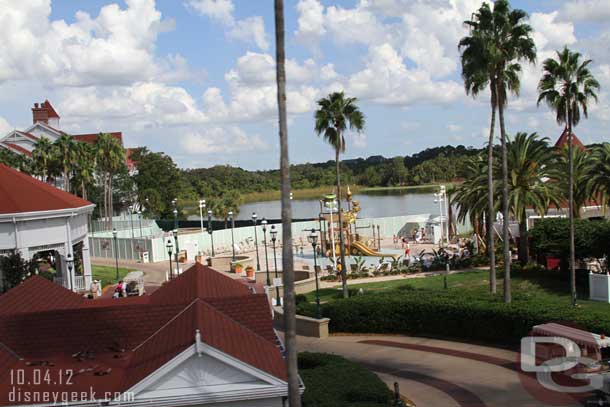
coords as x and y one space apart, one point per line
582 173
42 156
600 174
84 168
66 154
110 157
530 164
567 86
471 196
294 397
505 40
335 113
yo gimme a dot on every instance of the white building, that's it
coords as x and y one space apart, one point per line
37 217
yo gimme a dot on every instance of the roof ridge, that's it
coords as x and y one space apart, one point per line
172 319
9 350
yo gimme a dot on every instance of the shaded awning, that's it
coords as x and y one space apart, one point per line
578 336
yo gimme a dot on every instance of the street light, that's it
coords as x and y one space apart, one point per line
116 254
211 231
277 287
232 234
258 263
313 239
264 223
441 197
175 233
169 247
70 263
201 208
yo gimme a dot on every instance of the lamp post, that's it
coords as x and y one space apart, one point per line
258 263
330 203
169 247
70 264
232 234
313 239
277 287
116 254
175 233
264 223
201 208
140 220
130 210
440 197
210 231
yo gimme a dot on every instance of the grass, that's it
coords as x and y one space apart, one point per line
525 288
107 274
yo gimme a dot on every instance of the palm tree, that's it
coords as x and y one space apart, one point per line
66 154
334 115
43 155
530 164
567 86
294 397
582 173
504 40
600 174
470 197
84 168
110 156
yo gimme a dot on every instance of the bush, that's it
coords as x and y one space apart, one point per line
332 381
454 313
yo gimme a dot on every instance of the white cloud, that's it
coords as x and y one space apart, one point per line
221 140
250 29
310 22
452 127
5 126
550 33
116 47
359 139
586 10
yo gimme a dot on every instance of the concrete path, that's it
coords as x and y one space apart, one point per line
154 273
434 372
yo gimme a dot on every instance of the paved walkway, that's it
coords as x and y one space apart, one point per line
435 372
154 273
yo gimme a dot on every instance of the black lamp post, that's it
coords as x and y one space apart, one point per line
313 239
116 254
277 288
70 263
264 223
258 263
210 231
169 247
175 233
232 234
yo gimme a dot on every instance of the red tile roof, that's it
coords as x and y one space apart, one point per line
48 295
50 110
91 137
28 135
134 338
563 141
23 193
18 148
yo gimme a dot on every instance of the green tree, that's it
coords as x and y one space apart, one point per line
566 87
43 157
530 164
66 155
470 197
504 39
600 173
110 156
14 269
84 168
14 160
335 113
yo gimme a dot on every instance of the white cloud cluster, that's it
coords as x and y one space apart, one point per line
586 10
116 47
5 127
250 29
217 140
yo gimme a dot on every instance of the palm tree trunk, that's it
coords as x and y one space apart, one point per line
110 200
523 244
505 235
105 208
491 253
294 397
341 241
571 210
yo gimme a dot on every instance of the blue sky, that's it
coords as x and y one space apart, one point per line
194 78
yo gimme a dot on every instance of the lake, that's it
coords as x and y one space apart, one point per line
373 204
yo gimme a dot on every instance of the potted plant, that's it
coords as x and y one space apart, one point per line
250 272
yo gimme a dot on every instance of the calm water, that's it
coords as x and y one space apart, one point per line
372 205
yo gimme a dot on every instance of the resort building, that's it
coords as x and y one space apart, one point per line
36 217
201 339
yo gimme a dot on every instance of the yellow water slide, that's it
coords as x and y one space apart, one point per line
362 249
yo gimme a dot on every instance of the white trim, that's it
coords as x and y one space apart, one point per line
56 213
45 126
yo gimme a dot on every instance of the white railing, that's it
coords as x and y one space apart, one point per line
79 283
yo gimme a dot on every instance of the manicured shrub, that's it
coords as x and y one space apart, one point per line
332 381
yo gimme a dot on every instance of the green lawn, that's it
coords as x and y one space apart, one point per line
107 274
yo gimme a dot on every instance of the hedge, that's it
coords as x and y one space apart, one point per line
332 381
454 313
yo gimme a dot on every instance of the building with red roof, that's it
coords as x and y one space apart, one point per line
202 339
36 217
562 141
45 123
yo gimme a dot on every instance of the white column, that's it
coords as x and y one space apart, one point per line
86 263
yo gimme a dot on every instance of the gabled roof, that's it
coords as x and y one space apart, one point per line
563 141
23 193
17 148
50 110
91 137
28 135
131 339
